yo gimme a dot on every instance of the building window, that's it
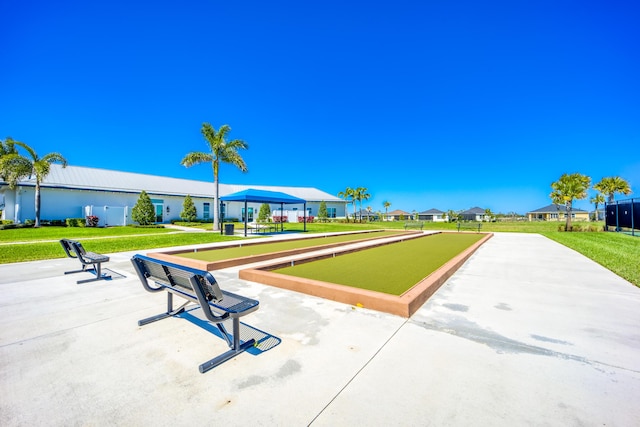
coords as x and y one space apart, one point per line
205 210
331 212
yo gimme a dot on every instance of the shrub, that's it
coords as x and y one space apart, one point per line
143 212
322 212
92 221
188 213
75 222
12 226
264 213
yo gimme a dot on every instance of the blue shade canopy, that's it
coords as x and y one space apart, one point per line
261 196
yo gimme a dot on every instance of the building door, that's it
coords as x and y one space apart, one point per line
158 205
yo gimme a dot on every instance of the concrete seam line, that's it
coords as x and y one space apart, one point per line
358 372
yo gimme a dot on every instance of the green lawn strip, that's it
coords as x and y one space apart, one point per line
391 269
57 233
259 249
617 252
504 226
49 250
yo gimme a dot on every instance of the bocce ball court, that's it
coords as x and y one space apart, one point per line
392 272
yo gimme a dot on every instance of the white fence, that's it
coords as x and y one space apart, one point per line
109 215
292 216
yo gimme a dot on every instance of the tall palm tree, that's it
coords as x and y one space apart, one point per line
349 193
566 189
361 194
611 185
221 150
386 205
18 167
598 199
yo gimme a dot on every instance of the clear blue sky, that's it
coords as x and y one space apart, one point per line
428 104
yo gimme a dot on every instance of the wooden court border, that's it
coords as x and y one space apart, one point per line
404 305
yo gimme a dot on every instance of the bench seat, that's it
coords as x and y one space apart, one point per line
469 226
201 288
74 249
408 225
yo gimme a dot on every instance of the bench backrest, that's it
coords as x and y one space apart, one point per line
190 282
74 249
68 248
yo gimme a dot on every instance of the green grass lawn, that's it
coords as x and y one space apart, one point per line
43 243
391 269
270 247
617 252
76 233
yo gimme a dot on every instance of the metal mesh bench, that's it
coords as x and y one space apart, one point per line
74 249
199 287
469 226
416 224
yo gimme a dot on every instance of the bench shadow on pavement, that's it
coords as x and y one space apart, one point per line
264 340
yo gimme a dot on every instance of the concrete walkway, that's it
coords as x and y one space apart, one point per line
527 332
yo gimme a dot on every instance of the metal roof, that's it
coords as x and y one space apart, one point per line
84 178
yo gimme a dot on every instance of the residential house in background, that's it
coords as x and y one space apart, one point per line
366 215
397 215
434 215
474 214
554 212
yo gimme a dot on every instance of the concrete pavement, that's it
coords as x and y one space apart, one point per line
527 332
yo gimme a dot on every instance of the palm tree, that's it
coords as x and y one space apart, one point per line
9 170
598 199
361 194
369 210
221 150
566 189
17 167
386 205
488 214
612 185
349 193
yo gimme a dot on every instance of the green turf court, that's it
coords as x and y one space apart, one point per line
391 269
254 249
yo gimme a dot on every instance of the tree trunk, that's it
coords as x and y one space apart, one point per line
37 224
567 226
216 208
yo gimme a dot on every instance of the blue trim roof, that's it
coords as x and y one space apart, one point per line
261 196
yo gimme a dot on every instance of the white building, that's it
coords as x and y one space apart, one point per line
75 192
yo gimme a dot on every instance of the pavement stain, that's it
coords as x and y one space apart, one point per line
289 368
472 331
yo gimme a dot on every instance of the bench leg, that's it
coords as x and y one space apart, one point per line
218 360
236 347
97 270
170 311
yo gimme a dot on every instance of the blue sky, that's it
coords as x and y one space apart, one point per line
428 104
